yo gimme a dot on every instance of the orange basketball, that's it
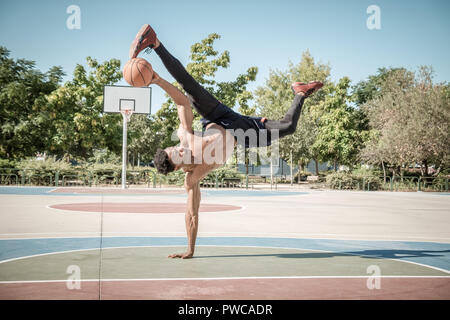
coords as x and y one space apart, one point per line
138 72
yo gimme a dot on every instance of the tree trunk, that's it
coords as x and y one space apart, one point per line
292 170
335 166
246 165
384 171
425 164
300 165
317 166
437 171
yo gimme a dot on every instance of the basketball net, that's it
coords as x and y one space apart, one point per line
126 113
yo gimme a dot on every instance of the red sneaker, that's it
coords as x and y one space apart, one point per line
146 37
306 88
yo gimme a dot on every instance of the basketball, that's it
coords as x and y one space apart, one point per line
138 72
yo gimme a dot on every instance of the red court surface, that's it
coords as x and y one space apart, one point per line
391 288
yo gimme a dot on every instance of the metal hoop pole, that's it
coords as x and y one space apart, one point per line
126 117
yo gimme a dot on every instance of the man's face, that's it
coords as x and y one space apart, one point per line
178 156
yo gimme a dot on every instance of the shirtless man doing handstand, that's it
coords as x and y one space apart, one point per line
200 153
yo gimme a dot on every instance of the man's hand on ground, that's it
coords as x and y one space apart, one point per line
186 255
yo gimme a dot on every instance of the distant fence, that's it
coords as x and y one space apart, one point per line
33 177
398 183
39 177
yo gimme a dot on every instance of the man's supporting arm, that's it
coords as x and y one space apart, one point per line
191 217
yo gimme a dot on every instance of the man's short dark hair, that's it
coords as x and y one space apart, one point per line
162 163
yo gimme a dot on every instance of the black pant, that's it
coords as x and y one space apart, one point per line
203 101
288 124
212 110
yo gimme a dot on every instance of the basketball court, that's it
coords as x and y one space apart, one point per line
110 243
291 244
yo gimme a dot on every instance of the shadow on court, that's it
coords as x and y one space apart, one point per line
378 254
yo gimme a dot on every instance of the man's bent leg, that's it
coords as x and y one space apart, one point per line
203 101
288 124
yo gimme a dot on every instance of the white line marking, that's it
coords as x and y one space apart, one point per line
60 210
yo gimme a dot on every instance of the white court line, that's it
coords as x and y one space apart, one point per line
232 278
230 246
242 208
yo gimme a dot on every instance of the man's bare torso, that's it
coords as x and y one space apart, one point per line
217 146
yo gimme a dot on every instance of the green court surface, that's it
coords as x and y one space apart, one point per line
209 262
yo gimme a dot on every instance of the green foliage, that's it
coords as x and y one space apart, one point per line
374 86
174 177
143 137
105 156
338 139
7 163
365 172
47 165
42 172
223 173
72 118
340 180
353 181
409 122
275 98
21 87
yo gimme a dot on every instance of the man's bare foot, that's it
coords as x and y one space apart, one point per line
186 255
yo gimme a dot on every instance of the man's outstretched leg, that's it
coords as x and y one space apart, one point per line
288 124
202 100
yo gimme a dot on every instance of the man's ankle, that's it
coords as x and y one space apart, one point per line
157 43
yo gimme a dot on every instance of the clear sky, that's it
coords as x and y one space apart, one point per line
262 33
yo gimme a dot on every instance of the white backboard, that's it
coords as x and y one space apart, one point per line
117 98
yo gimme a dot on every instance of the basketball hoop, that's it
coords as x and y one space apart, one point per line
126 100
126 113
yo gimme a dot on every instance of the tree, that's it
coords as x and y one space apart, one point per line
71 117
21 86
275 98
374 86
143 136
338 139
410 120
370 89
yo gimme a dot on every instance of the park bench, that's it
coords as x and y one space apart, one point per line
231 182
312 179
